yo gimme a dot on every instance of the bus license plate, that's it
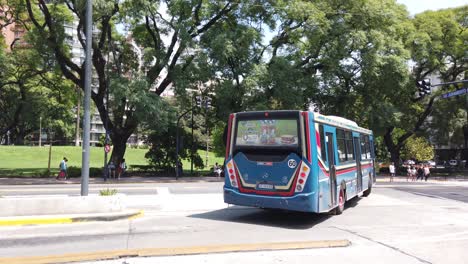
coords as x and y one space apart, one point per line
265 186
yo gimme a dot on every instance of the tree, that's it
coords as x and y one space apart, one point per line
30 89
418 148
438 47
184 22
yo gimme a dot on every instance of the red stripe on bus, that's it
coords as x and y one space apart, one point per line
308 146
228 143
317 139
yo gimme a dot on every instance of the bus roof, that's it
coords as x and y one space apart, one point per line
340 122
329 120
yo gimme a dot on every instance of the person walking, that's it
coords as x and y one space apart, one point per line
413 173
121 169
391 168
427 172
63 169
408 173
217 170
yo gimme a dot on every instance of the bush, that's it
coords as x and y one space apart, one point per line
76 172
108 192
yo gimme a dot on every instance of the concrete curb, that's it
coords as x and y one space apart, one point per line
178 251
64 219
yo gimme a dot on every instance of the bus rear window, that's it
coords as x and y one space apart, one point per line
269 132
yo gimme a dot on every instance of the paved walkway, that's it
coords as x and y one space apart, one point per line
133 179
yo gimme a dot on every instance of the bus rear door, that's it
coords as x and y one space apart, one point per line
331 165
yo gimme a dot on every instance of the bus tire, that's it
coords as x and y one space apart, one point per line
341 202
369 189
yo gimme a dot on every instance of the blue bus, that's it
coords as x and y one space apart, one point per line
296 160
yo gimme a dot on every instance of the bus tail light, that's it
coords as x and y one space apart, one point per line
231 172
302 177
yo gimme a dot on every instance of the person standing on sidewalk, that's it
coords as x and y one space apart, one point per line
427 172
111 168
391 168
121 169
420 172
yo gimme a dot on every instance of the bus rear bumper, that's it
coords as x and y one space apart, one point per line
303 202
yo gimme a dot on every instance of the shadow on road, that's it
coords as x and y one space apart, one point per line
265 217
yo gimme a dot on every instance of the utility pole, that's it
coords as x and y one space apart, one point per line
77 126
193 147
87 101
177 142
40 131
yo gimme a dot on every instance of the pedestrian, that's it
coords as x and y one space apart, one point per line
217 170
408 173
413 173
111 168
63 169
427 172
121 169
180 169
420 172
391 168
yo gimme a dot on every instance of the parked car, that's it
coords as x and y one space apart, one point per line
453 163
430 163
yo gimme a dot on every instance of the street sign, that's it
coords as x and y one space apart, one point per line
455 93
107 148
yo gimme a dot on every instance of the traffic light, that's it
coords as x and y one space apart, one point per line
424 87
198 100
427 86
208 102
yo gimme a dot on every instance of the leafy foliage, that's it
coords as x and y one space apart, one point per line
418 148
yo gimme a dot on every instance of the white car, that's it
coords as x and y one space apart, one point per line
453 162
430 163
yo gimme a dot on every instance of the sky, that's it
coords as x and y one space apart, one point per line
418 6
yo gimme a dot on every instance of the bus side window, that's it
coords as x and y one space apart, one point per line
363 147
350 146
341 142
323 145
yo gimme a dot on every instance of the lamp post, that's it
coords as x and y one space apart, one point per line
177 142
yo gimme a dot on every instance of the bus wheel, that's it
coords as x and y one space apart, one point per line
369 189
341 202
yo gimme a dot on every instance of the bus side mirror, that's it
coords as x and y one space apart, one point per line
225 134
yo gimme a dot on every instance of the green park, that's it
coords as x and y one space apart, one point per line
26 161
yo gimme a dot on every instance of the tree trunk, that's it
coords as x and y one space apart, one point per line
119 142
393 148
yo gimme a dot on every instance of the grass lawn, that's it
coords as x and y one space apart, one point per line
28 161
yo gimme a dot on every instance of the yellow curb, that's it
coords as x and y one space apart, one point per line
154 252
60 220
141 213
35 221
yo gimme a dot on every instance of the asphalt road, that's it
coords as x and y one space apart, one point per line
395 224
453 191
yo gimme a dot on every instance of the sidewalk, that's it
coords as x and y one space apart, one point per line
436 179
131 179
